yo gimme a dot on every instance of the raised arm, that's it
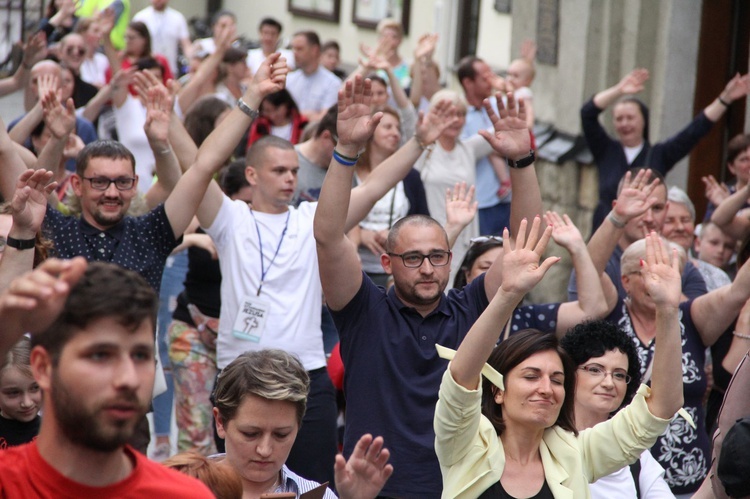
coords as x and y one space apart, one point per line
714 312
61 122
28 207
12 164
366 471
33 301
661 276
340 269
397 166
726 214
737 88
420 68
591 303
630 84
195 185
521 271
34 51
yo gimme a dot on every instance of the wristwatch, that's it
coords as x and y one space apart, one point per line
523 162
20 244
252 113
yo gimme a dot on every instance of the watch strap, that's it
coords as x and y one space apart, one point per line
20 244
523 162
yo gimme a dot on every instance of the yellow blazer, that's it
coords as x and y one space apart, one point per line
472 458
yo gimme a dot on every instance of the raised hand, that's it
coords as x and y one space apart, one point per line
661 272
528 50
143 82
60 120
564 231
511 138
29 203
715 192
426 46
73 146
430 126
635 196
270 77
35 49
521 267
225 36
45 84
375 62
106 21
737 87
355 125
632 83
33 301
366 471
158 113
460 210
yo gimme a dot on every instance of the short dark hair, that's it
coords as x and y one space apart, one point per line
104 290
269 374
110 149
510 353
475 251
595 338
737 145
282 97
221 13
465 68
232 177
330 44
270 21
200 119
233 55
311 37
418 220
328 121
257 151
150 62
143 31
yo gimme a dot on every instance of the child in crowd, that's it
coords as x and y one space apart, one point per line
20 398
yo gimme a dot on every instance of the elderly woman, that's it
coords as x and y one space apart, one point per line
607 377
260 400
514 435
683 451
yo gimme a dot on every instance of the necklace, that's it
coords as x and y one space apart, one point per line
276 483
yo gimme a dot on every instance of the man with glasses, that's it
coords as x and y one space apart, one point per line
388 338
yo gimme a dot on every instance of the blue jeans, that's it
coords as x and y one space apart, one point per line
171 285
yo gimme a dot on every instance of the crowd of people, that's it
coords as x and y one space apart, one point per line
322 278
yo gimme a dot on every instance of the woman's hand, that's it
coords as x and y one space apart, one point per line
737 87
459 208
366 471
632 83
715 192
73 146
430 126
29 203
60 120
661 272
511 138
521 267
564 232
158 113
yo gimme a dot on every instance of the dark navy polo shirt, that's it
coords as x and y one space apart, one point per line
393 372
140 243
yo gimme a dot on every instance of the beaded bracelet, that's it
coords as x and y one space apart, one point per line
345 160
741 335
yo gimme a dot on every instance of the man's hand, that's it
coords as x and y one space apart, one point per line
366 471
355 125
60 120
426 46
270 77
632 83
635 196
29 203
511 138
440 116
32 302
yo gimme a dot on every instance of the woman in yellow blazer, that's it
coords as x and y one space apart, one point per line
518 439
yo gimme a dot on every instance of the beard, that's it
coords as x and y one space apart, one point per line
88 427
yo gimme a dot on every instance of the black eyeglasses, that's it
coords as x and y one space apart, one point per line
415 259
596 371
485 239
103 183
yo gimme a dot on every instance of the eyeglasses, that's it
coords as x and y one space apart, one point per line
415 259
75 51
485 239
103 183
596 371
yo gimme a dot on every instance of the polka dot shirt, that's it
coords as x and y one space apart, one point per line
141 244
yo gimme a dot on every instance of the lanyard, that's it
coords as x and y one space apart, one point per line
263 269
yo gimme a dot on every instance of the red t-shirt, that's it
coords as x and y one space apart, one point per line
24 473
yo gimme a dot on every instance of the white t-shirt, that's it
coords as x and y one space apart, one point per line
632 152
94 70
291 288
129 121
313 92
390 208
167 28
620 485
255 58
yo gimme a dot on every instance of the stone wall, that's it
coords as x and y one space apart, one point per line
568 188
